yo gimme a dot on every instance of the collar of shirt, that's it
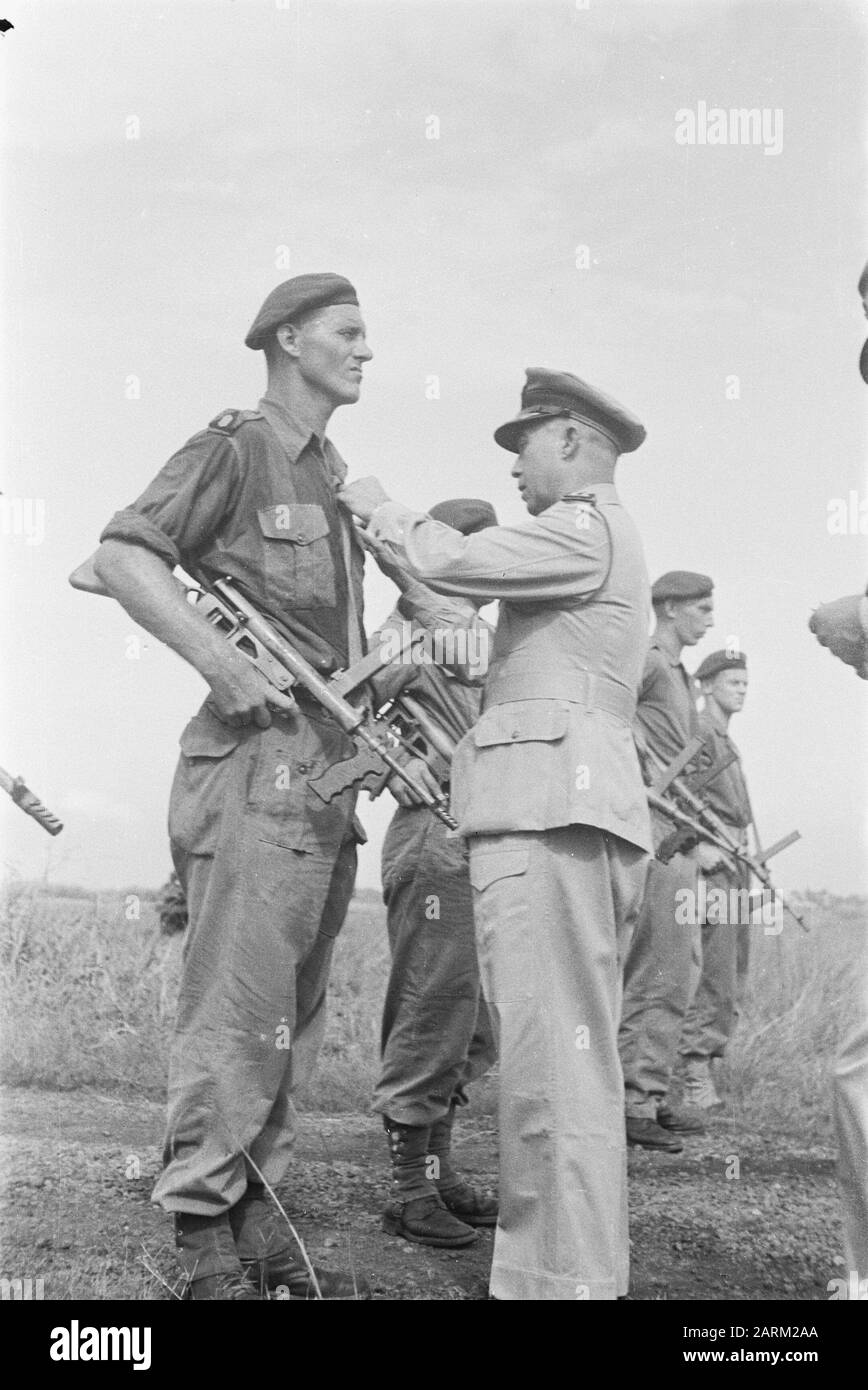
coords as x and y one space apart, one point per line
295 436
657 645
601 492
292 432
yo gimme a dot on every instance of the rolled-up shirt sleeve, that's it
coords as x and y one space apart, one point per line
547 558
181 510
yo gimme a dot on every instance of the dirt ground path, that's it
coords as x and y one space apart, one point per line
738 1216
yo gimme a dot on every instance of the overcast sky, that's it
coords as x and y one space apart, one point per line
163 162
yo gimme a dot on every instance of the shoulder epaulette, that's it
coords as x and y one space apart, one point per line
228 421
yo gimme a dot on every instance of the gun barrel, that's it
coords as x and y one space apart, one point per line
437 804
679 817
29 803
710 818
718 833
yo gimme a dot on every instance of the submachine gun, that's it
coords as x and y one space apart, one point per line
671 794
400 724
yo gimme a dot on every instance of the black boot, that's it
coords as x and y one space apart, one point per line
417 1212
270 1257
209 1258
475 1208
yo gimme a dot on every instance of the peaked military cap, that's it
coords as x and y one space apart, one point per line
295 297
720 661
560 393
681 585
464 514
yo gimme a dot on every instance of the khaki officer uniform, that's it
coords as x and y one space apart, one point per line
548 791
662 966
267 867
725 935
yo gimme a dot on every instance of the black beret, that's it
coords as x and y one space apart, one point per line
295 297
561 393
464 514
720 661
681 585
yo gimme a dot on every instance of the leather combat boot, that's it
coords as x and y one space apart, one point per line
679 1120
645 1133
206 1250
270 1258
471 1206
699 1089
418 1212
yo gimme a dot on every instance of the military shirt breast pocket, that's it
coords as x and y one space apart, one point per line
297 556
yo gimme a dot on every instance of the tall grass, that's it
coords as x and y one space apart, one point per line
88 983
799 1004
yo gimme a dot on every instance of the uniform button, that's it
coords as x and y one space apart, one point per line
302 767
514 733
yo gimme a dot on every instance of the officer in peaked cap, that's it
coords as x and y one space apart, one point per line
548 792
268 875
550 394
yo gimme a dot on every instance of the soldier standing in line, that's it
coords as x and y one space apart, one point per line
548 790
725 940
267 868
436 1032
662 965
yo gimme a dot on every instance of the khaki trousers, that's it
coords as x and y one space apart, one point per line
660 978
263 918
554 910
724 948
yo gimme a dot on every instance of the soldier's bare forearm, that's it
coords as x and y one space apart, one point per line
145 587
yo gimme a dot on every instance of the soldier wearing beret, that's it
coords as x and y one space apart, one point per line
548 792
436 1033
725 934
662 966
266 867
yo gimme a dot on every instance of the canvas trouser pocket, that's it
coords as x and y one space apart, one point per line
203 783
253 784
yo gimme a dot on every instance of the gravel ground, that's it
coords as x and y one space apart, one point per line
739 1215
